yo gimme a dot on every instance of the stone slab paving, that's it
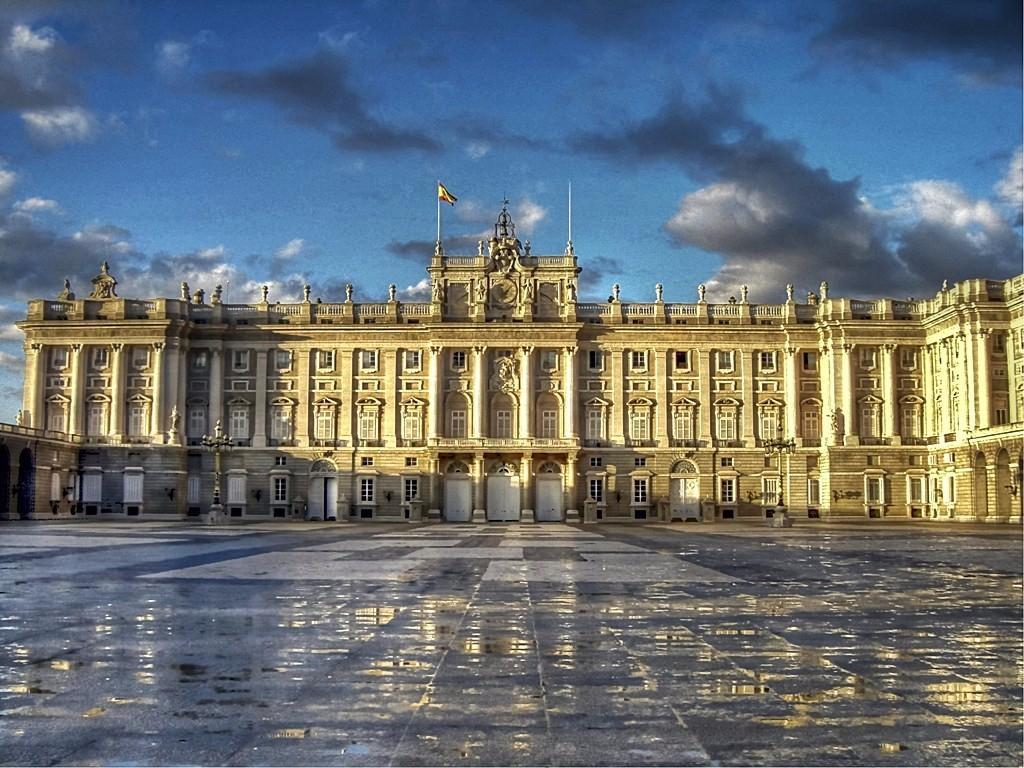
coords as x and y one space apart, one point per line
504 644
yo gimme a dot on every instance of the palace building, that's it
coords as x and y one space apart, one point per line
504 397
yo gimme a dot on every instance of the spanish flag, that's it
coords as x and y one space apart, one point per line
444 195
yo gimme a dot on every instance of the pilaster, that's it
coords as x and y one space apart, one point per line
707 397
526 392
35 386
890 428
77 408
216 386
433 396
479 390
849 396
616 433
157 430
747 385
792 391
116 428
662 408
259 434
569 395
983 383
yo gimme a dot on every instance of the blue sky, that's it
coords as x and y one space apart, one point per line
875 145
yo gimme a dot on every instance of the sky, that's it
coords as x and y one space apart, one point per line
875 145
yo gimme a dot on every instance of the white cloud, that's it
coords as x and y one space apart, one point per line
291 249
60 125
528 215
11 363
477 149
1011 187
172 56
418 292
24 40
36 205
8 179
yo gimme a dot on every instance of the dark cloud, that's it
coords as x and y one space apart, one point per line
602 18
318 92
490 133
980 38
596 273
420 251
775 219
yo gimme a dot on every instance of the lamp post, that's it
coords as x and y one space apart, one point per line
217 443
778 446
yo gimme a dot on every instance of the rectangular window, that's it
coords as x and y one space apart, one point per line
767 362
908 358
100 358
873 490
96 423
503 424
411 461
867 357
279 491
682 360
682 425
55 417
727 425
813 491
596 461
458 360
411 490
1002 416
140 357
58 359
196 420
549 424
638 360
192 489
640 461
368 425
911 422
458 424
639 425
727 490
281 423
596 489
916 490
726 359
594 360
812 426
549 360
769 490
236 489
133 488
639 490
137 420
239 422
868 421
280 461
282 359
368 360
240 360
200 360
999 343
595 424
324 425
412 359
366 461
366 489
769 423
411 426
325 360
810 361
726 461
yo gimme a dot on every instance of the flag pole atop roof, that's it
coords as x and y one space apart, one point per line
446 196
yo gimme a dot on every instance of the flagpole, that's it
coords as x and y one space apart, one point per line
438 196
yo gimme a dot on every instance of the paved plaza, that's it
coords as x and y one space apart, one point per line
320 644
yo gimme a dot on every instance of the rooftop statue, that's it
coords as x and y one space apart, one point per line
104 284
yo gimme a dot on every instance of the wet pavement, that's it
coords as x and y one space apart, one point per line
319 644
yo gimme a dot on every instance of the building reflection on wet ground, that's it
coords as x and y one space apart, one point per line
510 645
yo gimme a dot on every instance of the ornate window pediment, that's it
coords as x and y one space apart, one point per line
414 402
369 402
912 400
58 398
97 398
771 402
597 402
140 399
685 403
727 402
811 402
325 402
283 402
640 402
240 401
870 399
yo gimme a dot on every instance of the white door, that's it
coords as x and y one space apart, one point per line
331 498
549 500
316 499
502 498
457 495
685 498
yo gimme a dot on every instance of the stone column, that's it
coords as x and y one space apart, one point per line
1012 359
662 408
705 395
77 406
526 501
479 490
259 432
389 427
983 383
216 388
569 395
35 386
890 426
526 393
301 361
928 387
616 429
171 389
749 405
849 399
116 428
967 409
792 394
572 514
479 390
827 379
433 394
345 366
156 428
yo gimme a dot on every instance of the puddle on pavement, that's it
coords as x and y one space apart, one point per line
499 646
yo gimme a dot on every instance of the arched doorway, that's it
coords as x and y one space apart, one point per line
549 493
5 482
1004 501
323 491
684 491
980 486
458 493
503 493
26 483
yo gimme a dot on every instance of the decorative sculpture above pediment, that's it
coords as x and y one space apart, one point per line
104 284
504 248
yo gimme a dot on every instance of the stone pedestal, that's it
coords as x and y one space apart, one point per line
780 519
479 515
526 516
433 515
213 516
572 516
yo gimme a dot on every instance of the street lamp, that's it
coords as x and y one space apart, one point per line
217 443
778 446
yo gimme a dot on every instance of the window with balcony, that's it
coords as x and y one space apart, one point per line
96 420
323 428
595 424
140 357
100 358
325 360
726 424
412 422
282 359
549 424
281 423
682 424
869 420
368 424
137 420
725 360
770 423
549 360
908 358
196 421
457 424
503 423
595 361
238 425
911 421
639 424
812 423
868 357
810 361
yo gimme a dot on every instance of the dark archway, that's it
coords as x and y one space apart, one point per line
26 483
5 482
980 486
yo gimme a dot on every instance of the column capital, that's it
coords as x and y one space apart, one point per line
479 349
888 348
571 350
77 347
117 346
35 346
847 347
527 349
790 351
158 345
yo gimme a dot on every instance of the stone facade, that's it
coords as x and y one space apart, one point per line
504 397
